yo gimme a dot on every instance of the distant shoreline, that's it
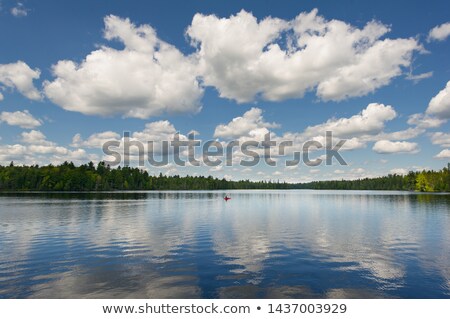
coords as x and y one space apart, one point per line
101 178
131 191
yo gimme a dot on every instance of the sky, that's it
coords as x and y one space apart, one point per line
76 74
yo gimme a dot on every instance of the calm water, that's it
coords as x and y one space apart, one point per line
261 244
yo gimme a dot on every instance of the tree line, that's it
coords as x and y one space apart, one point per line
88 177
424 181
101 177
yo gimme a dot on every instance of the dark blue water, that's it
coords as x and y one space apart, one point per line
260 244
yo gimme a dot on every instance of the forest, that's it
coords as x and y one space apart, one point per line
424 181
90 177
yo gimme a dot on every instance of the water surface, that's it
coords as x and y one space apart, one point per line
260 244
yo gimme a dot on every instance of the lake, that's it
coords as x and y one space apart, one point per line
260 244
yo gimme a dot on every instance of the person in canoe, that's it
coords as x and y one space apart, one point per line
226 198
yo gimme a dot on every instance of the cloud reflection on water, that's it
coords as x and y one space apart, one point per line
261 244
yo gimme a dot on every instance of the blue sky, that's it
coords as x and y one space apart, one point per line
73 73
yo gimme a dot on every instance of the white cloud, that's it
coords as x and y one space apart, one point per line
440 32
374 68
367 126
229 50
440 138
155 132
389 147
19 10
352 174
425 121
95 140
11 152
194 132
241 57
407 134
419 77
370 121
217 168
48 149
36 149
20 118
358 170
277 59
440 104
146 78
420 168
350 143
443 154
243 125
36 138
37 143
20 76
357 130
399 171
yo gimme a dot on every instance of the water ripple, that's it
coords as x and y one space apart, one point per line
262 244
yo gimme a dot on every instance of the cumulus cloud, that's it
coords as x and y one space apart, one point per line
389 147
12 152
37 149
369 121
358 170
19 10
440 32
20 118
352 174
243 125
96 140
35 137
440 138
444 154
277 59
217 168
440 104
147 77
157 131
425 121
20 76
399 171
357 130
154 132
437 113
374 68
407 134
37 143
241 57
